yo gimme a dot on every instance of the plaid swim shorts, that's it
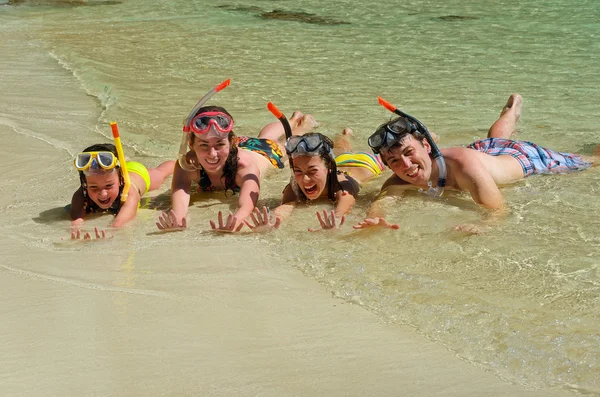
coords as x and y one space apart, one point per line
534 159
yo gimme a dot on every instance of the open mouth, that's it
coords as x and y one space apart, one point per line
212 161
411 173
310 189
104 201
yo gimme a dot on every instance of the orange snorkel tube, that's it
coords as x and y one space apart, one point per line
435 151
286 125
122 162
288 134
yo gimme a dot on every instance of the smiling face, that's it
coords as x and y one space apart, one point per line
311 176
103 188
409 160
211 152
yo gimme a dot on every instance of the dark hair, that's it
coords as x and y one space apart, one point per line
88 204
230 168
325 152
402 127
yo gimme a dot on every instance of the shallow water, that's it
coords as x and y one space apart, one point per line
521 300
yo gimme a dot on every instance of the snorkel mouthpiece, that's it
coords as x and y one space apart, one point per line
122 162
435 151
183 146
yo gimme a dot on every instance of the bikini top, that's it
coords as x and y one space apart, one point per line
206 185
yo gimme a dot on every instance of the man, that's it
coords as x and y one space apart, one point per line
478 168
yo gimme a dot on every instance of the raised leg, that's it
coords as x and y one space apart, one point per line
341 142
160 173
506 124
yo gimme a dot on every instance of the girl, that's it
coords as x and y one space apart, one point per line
102 185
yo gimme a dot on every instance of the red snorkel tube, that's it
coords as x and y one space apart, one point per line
435 152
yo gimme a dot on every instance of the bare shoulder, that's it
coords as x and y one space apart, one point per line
463 160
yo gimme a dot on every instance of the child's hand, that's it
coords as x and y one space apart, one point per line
328 222
231 226
261 220
167 221
100 234
374 222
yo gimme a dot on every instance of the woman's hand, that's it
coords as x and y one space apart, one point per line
328 221
167 221
470 229
376 222
79 235
231 226
261 220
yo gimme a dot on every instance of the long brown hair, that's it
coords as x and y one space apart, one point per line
230 168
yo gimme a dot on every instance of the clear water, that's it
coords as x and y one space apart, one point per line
521 300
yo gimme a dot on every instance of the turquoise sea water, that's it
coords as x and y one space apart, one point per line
522 300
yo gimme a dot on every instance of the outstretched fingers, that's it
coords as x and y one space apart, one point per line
376 222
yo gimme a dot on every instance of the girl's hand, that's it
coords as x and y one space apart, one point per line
231 226
79 235
167 221
261 221
374 222
328 222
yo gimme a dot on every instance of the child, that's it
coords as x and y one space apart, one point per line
102 185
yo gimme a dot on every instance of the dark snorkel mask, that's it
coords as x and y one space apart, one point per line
388 136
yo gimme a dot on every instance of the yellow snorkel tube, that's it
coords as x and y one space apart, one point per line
122 162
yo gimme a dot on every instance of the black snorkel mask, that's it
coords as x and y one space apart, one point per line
388 136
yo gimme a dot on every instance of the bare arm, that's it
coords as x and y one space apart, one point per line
288 203
128 209
249 182
376 213
180 201
77 212
473 177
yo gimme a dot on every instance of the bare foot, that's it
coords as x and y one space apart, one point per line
302 123
341 143
506 125
515 103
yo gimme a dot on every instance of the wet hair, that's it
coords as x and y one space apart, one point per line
403 127
325 153
230 168
88 203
